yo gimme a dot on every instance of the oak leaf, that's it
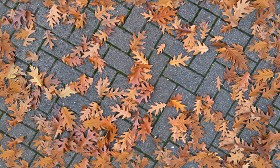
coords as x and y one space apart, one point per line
67 118
102 86
66 92
24 34
54 16
156 108
179 60
49 38
31 56
37 78
160 49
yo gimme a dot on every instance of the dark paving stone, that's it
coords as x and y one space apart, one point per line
204 16
158 95
202 63
121 82
135 20
246 23
92 93
162 127
21 50
183 76
27 154
65 73
209 133
188 11
247 135
277 102
148 147
213 8
88 30
188 98
173 47
158 63
22 130
223 101
119 60
44 62
62 30
121 39
75 102
4 124
3 10
208 85
235 36
153 34
60 49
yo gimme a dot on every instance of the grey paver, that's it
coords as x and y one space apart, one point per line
135 20
152 36
246 22
173 47
209 133
88 30
247 135
201 63
22 130
65 73
45 61
62 30
188 11
74 102
121 39
158 63
212 7
161 129
188 98
148 147
277 102
208 85
119 60
3 10
185 77
158 95
92 93
204 16
235 36
223 102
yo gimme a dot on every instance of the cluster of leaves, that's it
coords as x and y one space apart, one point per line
93 133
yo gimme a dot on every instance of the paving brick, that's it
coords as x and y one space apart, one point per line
119 10
201 63
173 47
21 50
121 82
62 30
45 104
22 130
150 164
121 39
23 65
235 36
223 102
158 63
246 23
45 61
88 30
105 106
162 91
183 76
32 5
253 55
74 102
263 103
188 98
276 162
216 150
247 135
208 85
153 34
276 117
162 127
209 133
86 68
76 160
213 8
191 164
29 121
277 102
3 10
10 4
27 154
122 125
148 147
65 73
60 49
3 122
135 20
92 93
3 107
278 125
204 16
188 11
119 60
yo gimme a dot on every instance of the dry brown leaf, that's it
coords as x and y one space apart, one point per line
179 60
160 49
31 56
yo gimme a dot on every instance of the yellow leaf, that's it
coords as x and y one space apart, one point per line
160 49
179 61
37 78
66 92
